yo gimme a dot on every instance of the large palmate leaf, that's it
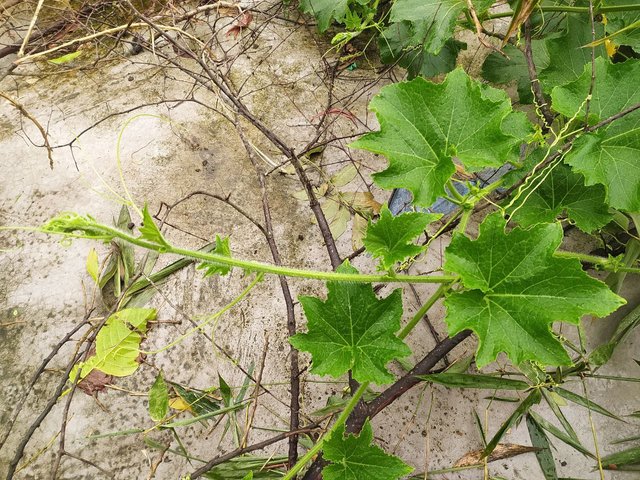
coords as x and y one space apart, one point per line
399 44
563 191
615 89
390 238
515 288
325 11
567 55
352 329
611 155
118 344
423 125
355 458
499 69
434 21
624 22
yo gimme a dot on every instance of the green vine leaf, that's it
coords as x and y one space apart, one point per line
434 21
563 191
213 268
356 458
158 399
610 155
325 11
72 224
390 238
149 230
117 344
398 44
567 57
624 20
515 288
352 330
502 70
423 125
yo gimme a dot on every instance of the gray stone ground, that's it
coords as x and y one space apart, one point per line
167 153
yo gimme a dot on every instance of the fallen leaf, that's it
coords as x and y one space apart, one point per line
358 231
93 265
243 22
362 202
337 216
344 176
95 382
179 404
69 57
502 450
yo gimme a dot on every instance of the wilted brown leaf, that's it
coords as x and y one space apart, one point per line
95 382
243 22
502 450
522 13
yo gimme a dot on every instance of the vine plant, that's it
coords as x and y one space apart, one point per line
573 160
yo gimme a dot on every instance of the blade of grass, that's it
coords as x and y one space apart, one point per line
527 403
544 455
628 457
560 435
625 440
580 400
483 436
189 421
555 408
464 380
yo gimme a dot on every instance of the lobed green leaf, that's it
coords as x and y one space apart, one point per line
352 330
423 125
356 458
515 289
390 238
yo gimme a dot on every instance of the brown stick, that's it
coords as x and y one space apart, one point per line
24 112
294 366
256 393
226 89
239 451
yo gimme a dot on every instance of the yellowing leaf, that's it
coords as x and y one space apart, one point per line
502 450
117 344
93 265
179 404
65 58
357 231
344 176
337 216
363 202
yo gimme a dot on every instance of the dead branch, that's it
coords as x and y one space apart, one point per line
24 112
